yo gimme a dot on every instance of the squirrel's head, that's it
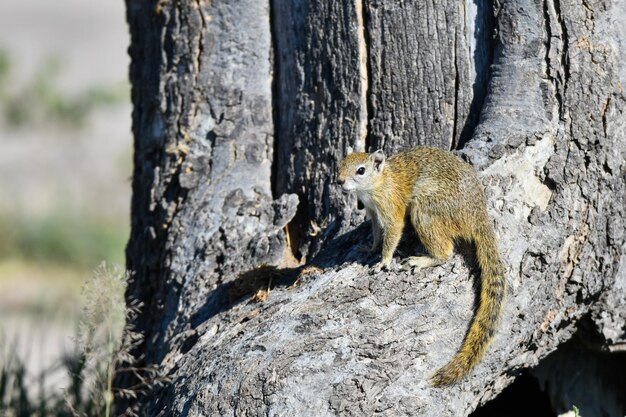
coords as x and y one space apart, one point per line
359 171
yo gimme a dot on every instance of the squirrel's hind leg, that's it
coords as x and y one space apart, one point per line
434 235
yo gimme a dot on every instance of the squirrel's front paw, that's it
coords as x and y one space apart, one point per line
382 266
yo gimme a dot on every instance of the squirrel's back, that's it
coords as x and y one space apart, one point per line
444 183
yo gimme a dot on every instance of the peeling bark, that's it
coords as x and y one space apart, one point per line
242 111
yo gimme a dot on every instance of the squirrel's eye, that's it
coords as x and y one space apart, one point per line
360 171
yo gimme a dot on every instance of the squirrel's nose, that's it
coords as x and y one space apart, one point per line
340 181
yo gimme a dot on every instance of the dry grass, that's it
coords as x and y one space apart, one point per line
102 348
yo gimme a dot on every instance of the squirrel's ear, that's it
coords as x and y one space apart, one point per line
349 150
378 158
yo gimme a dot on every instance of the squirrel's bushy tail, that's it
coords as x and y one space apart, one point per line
485 321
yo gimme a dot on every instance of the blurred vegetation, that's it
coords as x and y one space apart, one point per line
63 238
42 260
16 386
103 348
39 102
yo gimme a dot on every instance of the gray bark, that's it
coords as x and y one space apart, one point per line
241 113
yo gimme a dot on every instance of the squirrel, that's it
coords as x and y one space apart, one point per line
445 202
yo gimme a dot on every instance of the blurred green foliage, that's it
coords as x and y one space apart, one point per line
39 102
62 238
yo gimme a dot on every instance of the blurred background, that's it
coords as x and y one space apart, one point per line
65 167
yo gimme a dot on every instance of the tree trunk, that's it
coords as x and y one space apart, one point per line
242 111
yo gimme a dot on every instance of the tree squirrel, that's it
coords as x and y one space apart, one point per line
445 202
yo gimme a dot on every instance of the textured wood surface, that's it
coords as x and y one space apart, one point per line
242 110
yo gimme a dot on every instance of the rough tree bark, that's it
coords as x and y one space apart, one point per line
241 113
